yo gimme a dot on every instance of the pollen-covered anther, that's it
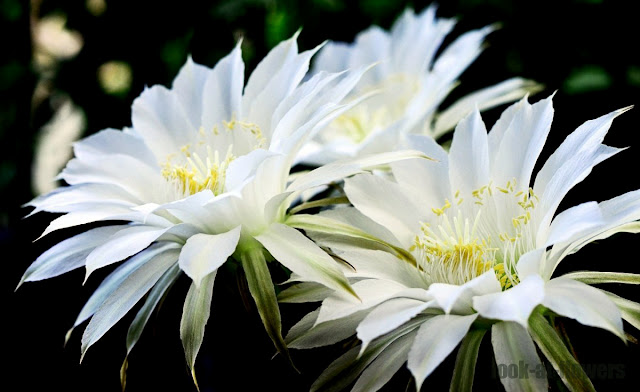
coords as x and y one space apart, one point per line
196 174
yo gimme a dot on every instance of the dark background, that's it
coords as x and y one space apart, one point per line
586 50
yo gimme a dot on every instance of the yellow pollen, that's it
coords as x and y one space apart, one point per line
198 174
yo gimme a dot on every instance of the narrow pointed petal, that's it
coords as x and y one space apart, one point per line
380 371
195 314
515 304
486 98
121 245
298 253
123 298
469 155
436 339
223 91
68 254
348 167
513 346
116 278
399 214
307 333
388 316
586 304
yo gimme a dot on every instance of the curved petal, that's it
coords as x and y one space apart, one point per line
513 347
121 245
189 87
436 339
205 253
469 155
302 256
223 91
68 254
371 291
586 304
387 204
388 316
158 115
515 304
122 299
522 143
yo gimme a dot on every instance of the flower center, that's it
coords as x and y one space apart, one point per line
379 111
201 165
198 174
454 248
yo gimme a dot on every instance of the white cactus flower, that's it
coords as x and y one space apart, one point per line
412 83
467 244
201 177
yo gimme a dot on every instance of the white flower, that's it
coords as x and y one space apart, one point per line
201 177
466 245
412 83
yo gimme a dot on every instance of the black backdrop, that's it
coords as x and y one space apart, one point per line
586 50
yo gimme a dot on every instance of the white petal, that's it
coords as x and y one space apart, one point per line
500 127
586 304
387 204
459 55
205 253
85 216
378 264
424 29
77 197
371 291
340 169
469 155
429 180
131 174
515 304
298 253
371 46
457 299
486 98
112 141
68 254
119 275
531 263
188 87
513 347
587 137
388 316
355 218
333 57
121 245
243 167
380 371
223 91
126 296
436 339
522 143
573 223
279 85
159 117
195 314
308 334
269 66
